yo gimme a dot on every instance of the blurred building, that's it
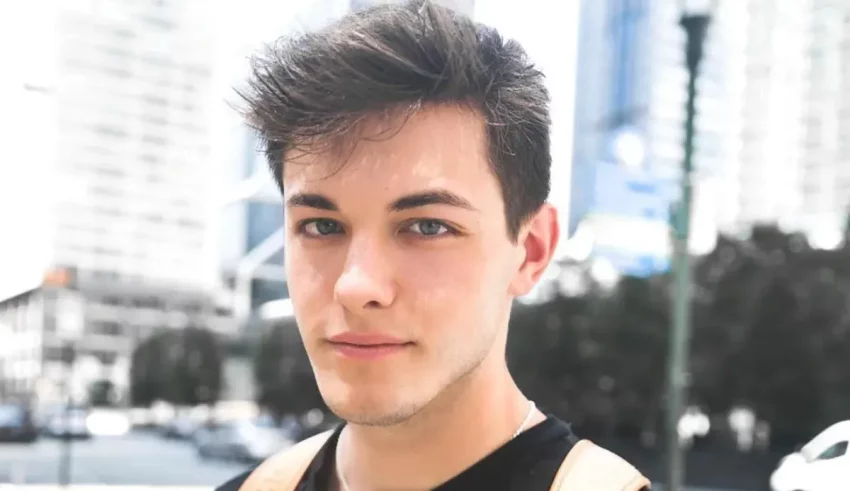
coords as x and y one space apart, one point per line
114 237
630 94
771 124
251 242
825 173
133 92
101 322
793 167
767 183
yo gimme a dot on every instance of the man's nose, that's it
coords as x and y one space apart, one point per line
366 281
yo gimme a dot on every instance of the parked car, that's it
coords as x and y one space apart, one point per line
68 423
180 428
251 440
823 464
16 424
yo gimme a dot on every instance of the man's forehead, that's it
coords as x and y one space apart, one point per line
434 145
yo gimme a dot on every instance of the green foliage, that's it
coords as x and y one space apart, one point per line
282 372
183 367
149 370
770 328
101 393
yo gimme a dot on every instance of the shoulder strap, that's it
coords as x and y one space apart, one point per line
590 467
284 470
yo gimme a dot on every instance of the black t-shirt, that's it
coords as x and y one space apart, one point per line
526 463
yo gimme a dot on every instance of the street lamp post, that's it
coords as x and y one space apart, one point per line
69 354
695 25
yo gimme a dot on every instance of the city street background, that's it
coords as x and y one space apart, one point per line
136 459
144 307
132 460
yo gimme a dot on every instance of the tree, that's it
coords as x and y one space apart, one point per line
821 281
101 393
729 283
196 366
149 370
782 310
635 324
181 367
774 372
771 330
282 372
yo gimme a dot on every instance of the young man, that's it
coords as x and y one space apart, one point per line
412 149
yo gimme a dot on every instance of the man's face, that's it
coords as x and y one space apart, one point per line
399 264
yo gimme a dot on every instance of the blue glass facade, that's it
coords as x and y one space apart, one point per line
262 219
612 96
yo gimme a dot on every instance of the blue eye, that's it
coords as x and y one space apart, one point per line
430 227
320 227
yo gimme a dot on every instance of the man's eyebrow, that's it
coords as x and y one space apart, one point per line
312 200
433 197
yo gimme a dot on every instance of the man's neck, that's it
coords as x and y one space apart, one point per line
464 424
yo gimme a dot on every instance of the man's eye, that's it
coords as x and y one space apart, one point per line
321 227
429 228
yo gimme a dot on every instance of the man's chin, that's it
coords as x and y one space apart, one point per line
373 413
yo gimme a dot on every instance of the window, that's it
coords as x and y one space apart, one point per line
189 223
833 452
104 191
123 33
154 140
158 120
109 300
108 328
155 100
109 131
49 324
158 22
107 170
106 358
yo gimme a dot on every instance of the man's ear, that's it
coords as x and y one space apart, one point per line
537 240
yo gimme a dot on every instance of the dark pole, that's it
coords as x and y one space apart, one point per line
695 26
68 356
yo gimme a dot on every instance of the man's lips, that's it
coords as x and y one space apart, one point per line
367 346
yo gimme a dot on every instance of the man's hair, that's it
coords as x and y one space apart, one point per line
315 88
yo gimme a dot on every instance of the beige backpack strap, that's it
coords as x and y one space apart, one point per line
590 467
284 470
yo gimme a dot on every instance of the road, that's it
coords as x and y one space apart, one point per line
136 459
133 459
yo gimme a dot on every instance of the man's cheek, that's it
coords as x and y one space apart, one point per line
310 287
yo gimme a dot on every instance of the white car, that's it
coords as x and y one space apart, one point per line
823 464
181 428
71 423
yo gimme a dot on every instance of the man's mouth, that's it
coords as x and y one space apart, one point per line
367 346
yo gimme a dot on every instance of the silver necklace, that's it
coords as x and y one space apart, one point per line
531 406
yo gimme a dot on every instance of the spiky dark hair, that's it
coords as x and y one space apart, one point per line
316 87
